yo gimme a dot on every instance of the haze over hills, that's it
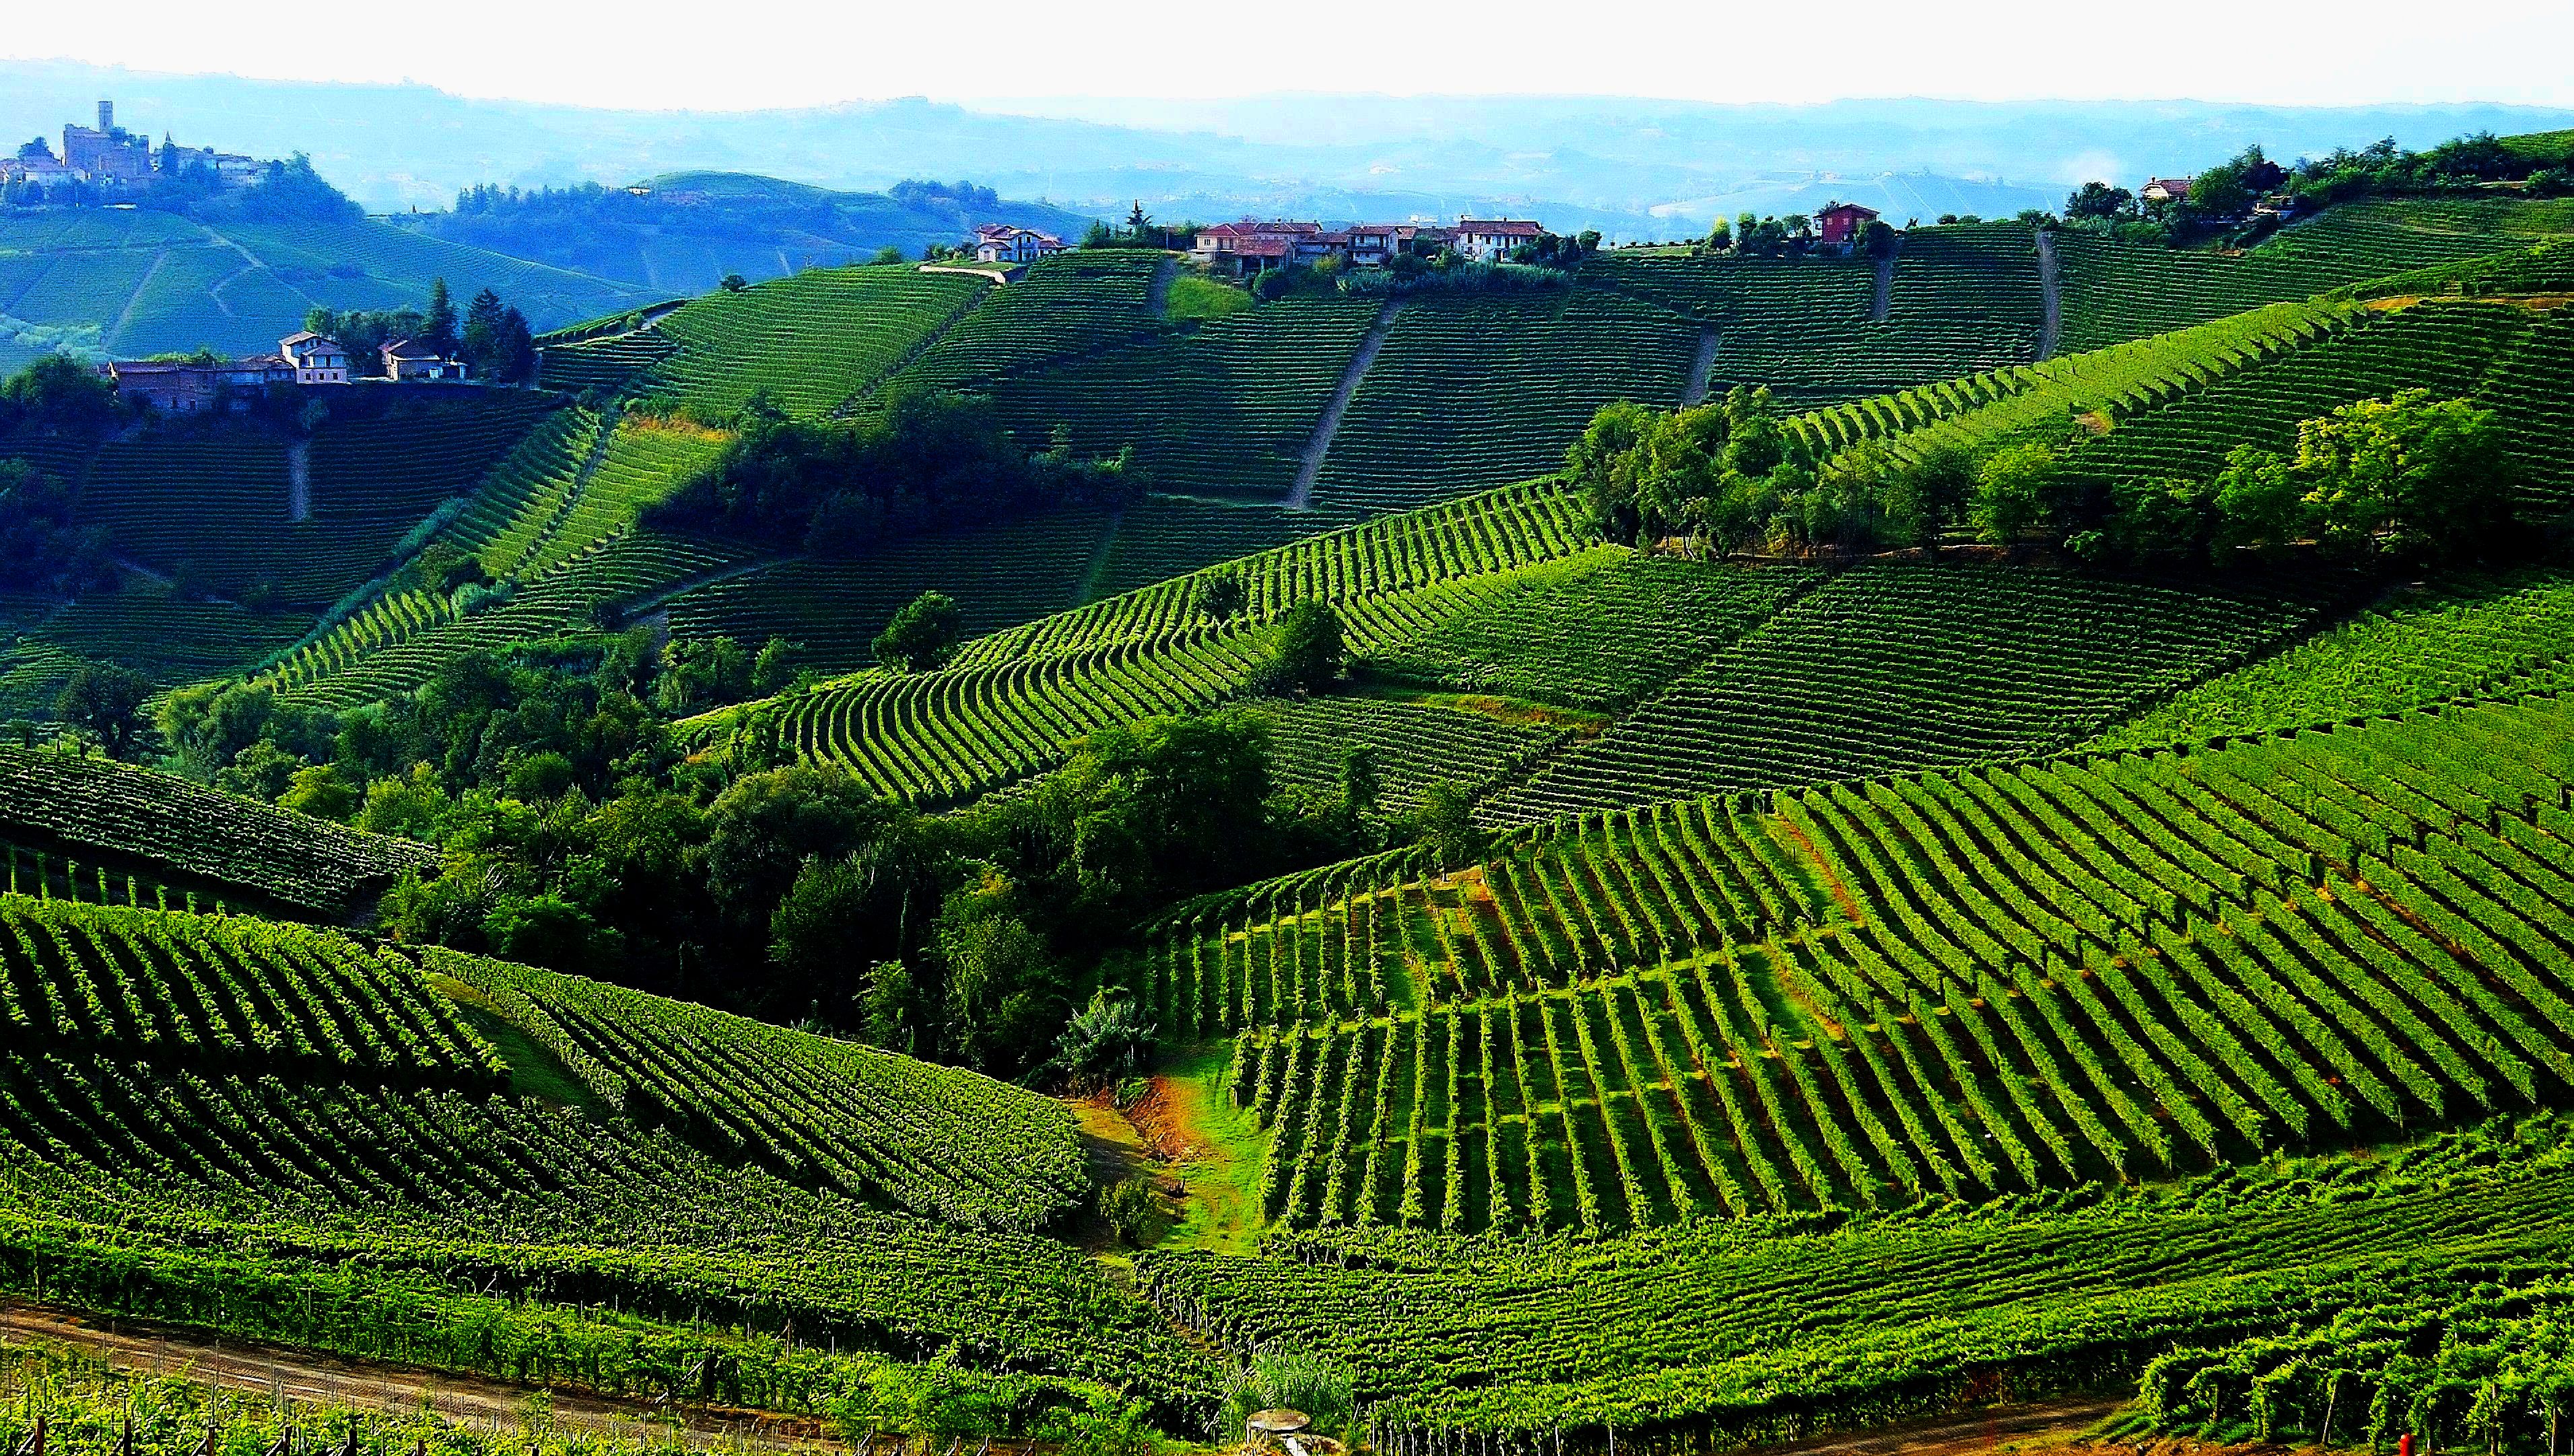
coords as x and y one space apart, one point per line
1581 162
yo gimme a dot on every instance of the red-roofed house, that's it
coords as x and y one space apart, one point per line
1248 246
2166 189
1842 224
1492 239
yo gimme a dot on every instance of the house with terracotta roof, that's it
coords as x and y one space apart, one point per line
2166 189
1249 246
189 386
1491 239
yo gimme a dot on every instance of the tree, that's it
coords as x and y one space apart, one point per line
886 255
323 792
2100 200
1362 781
734 283
1444 823
57 393
105 702
1220 595
922 632
481 344
2011 490
438 325
763 829
2407 471
1139 225
1304 650
1105 1042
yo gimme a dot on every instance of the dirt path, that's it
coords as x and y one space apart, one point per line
2045 1424
299 480
1157 297
1310 463
1701 369
2051 319
1090 584
392 1389
1882 302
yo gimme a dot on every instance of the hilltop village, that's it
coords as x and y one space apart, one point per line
107 163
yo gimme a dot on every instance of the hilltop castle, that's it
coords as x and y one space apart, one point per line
107 155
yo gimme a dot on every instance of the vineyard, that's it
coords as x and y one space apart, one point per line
936 1141
1412 743
1063 309
1713 1338
87 808
1012 703
1954 985
813 340
2468 635
175 1075
1476 392
1225 410
222 506
1890 667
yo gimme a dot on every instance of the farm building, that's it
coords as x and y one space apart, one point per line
317 360
1842 225
1492 239
1001 243
2164 190
410 359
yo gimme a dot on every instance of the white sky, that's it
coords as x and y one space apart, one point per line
749 53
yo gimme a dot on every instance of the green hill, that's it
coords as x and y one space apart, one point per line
132 283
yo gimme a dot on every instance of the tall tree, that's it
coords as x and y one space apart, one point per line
438 327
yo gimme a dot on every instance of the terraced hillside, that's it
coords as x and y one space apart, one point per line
1474 392
1958 984
133 824
226 507
1011 704
177 1074
1892 667
813 340
2115 292
140 282
169 641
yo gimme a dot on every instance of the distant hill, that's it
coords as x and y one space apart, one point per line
682 232
1605 162
102 281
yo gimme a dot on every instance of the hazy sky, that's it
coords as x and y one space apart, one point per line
748 53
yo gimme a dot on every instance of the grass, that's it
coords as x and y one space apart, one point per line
1220 1188
1196 297
534 1070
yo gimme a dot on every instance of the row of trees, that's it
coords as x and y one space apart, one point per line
1750 235
492 339
2220 197
2409 474
927 462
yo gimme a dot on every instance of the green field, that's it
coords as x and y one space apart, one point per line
151 282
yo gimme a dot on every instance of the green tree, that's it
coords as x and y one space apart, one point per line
763 829
438 325
887 254
2012 487
1305 651
2406 473
105 702
324 792
2260 503
734 283
1220 595
1105 1042
1444 823
922 632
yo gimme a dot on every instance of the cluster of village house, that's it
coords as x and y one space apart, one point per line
184 388
1249 246
107 155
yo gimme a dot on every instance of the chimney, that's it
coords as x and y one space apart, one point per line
107 116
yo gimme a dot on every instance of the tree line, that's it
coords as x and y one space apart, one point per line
2410 476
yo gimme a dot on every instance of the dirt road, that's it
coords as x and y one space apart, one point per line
2047 1422
394 1389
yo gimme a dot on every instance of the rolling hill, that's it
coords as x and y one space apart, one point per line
1654 996
681 233
105 282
